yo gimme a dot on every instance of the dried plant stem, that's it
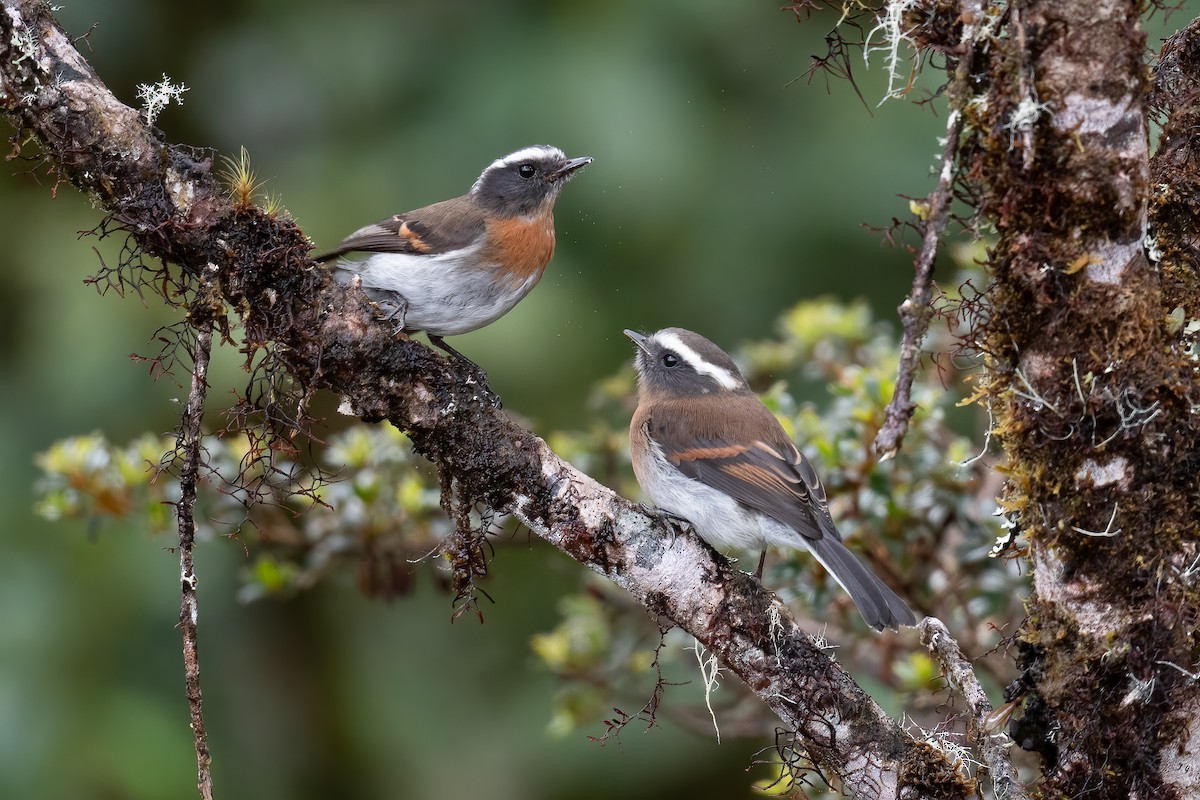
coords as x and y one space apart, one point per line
188 446
992 747
915 311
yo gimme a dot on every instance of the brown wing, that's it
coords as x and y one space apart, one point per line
768 474
439 228
771 477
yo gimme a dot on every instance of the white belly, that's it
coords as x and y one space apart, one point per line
444 298
718 518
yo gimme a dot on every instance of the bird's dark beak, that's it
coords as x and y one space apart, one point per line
573 164
638 339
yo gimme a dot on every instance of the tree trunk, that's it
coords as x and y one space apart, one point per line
1094 395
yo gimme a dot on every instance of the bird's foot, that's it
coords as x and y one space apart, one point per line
673 522
393 308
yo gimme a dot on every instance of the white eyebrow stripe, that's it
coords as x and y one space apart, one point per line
531 153
721 375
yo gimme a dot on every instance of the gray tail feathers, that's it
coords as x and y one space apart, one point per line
334 255
879 605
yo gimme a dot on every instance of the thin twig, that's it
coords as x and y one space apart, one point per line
189 446
993 747
915 312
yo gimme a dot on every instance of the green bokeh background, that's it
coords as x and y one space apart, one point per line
726 187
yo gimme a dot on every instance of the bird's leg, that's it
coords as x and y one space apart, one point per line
762 560
479 374
440 343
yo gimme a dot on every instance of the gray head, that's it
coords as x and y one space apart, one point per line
521 183
680 363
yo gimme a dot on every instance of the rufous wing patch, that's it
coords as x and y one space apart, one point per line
412 237
706 453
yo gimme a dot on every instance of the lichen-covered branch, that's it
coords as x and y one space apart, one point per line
993 746
166 198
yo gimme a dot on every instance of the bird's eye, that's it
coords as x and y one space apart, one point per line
669 360
526 170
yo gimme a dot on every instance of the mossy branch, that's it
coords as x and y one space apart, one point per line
166 199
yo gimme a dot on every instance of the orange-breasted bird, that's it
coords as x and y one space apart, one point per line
458 265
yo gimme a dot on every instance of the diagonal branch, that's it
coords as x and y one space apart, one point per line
994 747
166 198
915 311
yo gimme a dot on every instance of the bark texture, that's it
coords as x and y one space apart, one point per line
166 199
1094 393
